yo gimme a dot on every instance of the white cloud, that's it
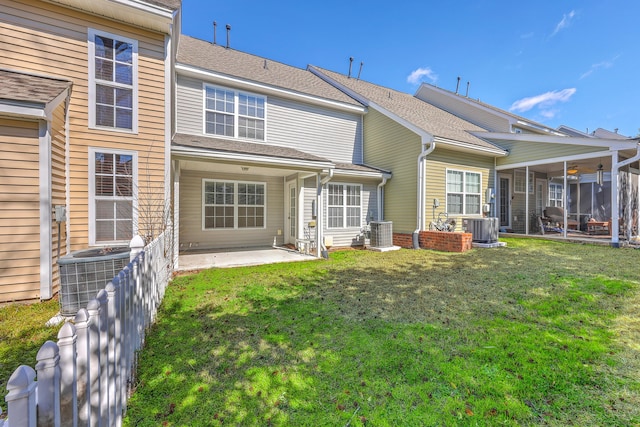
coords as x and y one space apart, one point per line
599 65
564 22
543 101
548 114
417 76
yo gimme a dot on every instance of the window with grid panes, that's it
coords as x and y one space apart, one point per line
234 114
344 205
230 204
463 192
113 196
113 81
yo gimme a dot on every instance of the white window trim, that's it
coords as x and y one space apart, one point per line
344 206
91 33
464 190
235 205
92 192
519 177
549 193
236 112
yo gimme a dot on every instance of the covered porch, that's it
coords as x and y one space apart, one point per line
230 196
592 196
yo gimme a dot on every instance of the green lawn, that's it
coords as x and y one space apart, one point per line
537 333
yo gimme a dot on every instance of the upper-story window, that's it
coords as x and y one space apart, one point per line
234 114
113 81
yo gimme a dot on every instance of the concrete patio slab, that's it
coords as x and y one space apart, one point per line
225 258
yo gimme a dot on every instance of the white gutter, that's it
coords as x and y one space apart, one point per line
385 177
320 224
615 167
421 187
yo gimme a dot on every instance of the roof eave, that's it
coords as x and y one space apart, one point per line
257 159
471 148
215 77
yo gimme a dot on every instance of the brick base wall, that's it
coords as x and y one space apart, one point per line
439 240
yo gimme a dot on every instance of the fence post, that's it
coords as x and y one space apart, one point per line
136 245
83 366
21 399
48 391
103 352
93 308
68 376
113 329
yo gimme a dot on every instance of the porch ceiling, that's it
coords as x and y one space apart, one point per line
234 168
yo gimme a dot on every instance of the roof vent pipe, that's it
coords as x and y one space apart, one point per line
360 71
228 31
350 64
215 25
458 85
467 94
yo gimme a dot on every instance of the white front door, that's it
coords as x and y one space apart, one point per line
292 211
504 200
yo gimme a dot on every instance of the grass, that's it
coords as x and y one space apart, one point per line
537 333
22 333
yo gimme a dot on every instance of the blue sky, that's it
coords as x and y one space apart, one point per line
575 63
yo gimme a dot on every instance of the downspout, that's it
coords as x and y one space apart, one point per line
320 224
380 197
615 167
421 187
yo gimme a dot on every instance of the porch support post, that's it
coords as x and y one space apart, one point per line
176 212
319 216
565 201
615 212
526 201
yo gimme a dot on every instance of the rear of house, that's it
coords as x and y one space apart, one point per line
96 149
266 154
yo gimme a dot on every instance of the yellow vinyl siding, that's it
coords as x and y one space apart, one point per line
524 151
19 216
45 38
436 187
391 146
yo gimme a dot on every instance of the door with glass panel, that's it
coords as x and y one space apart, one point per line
292 217
504 200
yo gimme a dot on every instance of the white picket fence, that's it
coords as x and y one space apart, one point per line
84 379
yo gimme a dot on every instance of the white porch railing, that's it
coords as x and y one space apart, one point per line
84 379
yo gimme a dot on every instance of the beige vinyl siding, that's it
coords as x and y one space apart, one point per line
327 133
189 106
436 187
525 151
20 211
48 39
191 232
334 135
492 121
58 189
393 147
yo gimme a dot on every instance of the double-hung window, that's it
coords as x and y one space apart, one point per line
555 195
112 201
113 81
234 114
344 205
463 192
231 204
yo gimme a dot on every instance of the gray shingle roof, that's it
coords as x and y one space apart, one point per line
22 87
423 115
241 147
205 55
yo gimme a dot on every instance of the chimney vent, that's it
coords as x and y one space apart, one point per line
215 26
350 64
360 70
467 94
458 85
228 31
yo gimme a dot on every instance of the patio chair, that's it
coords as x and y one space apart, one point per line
308 243
555 215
